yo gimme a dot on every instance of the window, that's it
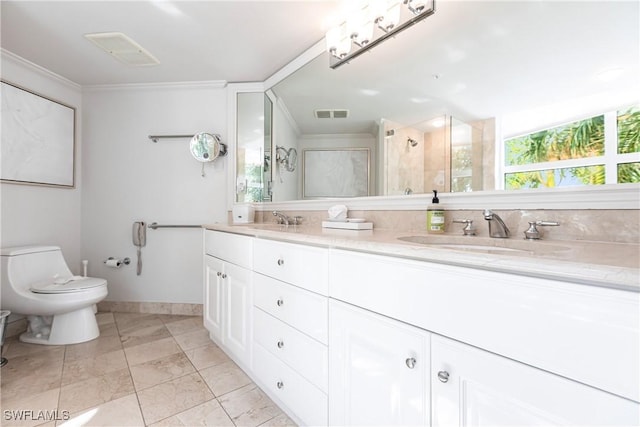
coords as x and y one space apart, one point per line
603 149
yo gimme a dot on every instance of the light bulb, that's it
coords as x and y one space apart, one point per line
390 19
417 6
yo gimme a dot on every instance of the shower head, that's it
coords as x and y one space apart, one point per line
412 141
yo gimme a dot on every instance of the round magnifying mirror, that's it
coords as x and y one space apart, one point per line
206 147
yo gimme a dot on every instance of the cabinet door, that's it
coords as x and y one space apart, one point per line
237 312
378 369
213 294
473 387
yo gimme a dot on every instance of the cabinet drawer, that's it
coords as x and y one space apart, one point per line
305 311
299 395
305 355
233 248
303 266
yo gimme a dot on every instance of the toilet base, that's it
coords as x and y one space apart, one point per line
68 328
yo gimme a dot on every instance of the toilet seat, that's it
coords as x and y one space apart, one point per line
72 286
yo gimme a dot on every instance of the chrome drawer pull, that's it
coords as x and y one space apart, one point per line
280 261
280 344
280 302
411 362
224 276
280 384
443 376
218 274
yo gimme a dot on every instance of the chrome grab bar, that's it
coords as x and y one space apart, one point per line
155 225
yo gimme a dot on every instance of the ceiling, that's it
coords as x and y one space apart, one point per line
233 41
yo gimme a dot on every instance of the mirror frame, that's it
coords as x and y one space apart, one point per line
611 196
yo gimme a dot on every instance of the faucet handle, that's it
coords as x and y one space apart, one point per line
297 220
532 232
468 229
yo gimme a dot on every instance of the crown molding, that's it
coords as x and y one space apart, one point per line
12 57
197 85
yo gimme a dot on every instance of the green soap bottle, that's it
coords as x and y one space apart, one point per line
435 215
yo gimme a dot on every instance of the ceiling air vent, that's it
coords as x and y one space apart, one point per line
331 114
122 48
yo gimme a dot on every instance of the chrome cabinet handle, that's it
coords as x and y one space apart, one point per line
218 274
280 384
280 261
280 344
224 276
411 362
280 302
443 376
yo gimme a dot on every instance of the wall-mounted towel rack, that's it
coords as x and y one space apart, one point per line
155 225
155 138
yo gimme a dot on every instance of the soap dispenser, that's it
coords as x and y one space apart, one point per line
435 215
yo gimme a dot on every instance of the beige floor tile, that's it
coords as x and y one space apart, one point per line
96 391
135 320
225 378
206 356
14 348
157 371
122 412
281 420
133 337
207 414
190 324
82 369
23 410
170 318
33 372
249 406
130 327
193 339
151 350
105 318
108 330
93 348
172 397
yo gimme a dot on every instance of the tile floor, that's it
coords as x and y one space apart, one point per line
143 370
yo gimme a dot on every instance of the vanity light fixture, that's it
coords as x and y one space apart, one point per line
373 24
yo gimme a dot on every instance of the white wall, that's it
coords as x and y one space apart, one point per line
38 215
129 178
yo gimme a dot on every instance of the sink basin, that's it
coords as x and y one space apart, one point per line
486 245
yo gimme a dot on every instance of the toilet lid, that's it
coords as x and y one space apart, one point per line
75 285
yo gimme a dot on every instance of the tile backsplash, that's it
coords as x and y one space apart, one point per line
617 225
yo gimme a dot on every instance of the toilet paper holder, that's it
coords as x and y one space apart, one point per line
116 262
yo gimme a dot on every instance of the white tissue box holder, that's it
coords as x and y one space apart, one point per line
243 214
348 225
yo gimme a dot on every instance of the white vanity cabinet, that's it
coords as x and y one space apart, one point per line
290 358
548 347
379 369
474 387
228 293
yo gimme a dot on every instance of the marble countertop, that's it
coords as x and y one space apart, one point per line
611 265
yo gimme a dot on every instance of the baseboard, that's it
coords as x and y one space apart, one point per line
151 307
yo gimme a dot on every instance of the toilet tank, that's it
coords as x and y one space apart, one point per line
25 265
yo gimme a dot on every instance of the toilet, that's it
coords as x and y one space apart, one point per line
36 281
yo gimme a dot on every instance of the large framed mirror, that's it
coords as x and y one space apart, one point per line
435 104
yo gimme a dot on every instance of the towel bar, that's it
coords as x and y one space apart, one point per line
155 225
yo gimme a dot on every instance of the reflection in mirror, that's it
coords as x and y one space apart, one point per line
487 71
253 152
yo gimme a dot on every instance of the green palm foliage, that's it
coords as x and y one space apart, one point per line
629 131
575 140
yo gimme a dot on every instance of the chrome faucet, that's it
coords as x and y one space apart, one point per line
282 218
501 229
